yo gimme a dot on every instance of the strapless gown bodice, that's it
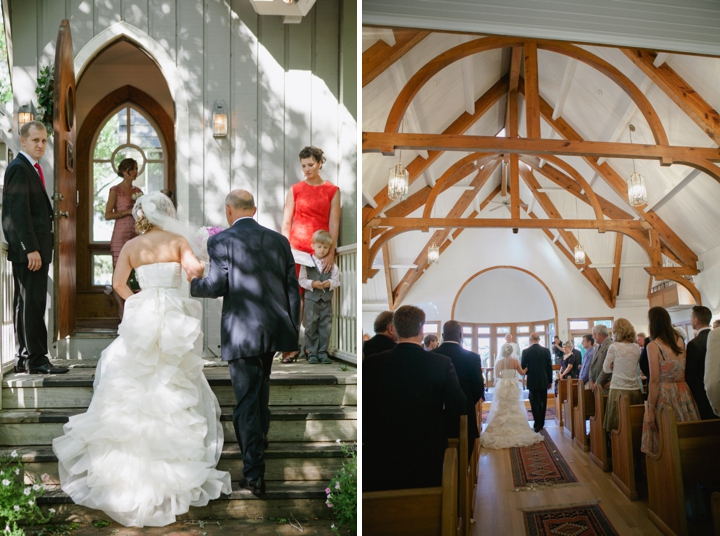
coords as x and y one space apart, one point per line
508 374
166 275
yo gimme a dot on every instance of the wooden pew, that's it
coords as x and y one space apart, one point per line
626 440
687 453
461 444
584 409
422 511
475 464
559 401
598 435
478 415
569 404
716 513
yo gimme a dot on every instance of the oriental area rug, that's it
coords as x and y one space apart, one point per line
540 464
573 520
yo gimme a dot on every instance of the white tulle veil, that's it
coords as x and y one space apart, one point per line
506 359
159 210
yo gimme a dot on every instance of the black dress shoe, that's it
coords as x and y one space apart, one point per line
49 369
256 486
19 369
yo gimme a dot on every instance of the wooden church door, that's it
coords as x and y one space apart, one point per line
65 192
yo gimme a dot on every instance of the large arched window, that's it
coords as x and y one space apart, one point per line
127 133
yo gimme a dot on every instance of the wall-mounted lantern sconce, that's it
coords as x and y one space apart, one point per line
220 119
26 113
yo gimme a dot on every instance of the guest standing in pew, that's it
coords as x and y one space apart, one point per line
695 362
430 342
408 395
589 344
666 355
712 370
601 335
622 360
469 372
384 338
569 365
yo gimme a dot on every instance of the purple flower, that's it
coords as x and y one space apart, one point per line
329 505
327 490
214 230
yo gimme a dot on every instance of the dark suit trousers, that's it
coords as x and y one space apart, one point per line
30 302
538 405
267 360
248 379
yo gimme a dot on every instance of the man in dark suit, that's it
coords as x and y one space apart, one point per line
27 221
253 269
469 372
539 378
700 318
384 338
408 394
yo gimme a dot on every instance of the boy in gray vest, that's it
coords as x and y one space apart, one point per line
319 288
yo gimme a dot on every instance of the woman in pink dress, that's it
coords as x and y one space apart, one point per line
311 205
666 356
119 208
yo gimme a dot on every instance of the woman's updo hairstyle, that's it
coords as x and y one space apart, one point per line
142 225
126 165
507 350
313 152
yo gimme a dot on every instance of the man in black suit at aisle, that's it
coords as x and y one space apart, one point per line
539 378
384 338
253 269
700 318
469 372
27 226
408 394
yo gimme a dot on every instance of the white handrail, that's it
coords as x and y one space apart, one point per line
343 340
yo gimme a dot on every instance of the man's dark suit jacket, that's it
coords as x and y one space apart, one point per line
407 394
252 267
695 373
379 343
27 215
536 359
469 372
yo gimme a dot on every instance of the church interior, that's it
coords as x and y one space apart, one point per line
523 175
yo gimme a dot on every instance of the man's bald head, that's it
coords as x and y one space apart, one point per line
239 204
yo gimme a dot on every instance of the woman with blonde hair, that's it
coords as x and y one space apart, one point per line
622 361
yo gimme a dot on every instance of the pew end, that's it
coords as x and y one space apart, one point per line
598 436
582 411
569 405
626 442
420 511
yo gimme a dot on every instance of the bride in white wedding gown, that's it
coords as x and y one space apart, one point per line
508 424
147 447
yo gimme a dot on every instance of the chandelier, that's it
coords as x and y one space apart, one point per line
637 193
433 254
398 182
579 250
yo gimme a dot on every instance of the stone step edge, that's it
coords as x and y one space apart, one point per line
278 413
13 381
276 450
274 491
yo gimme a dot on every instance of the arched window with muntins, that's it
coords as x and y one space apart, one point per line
127 133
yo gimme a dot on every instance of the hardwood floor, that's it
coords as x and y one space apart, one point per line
496 510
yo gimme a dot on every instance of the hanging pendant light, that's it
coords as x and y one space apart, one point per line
578 250
398 182
433 254
637 193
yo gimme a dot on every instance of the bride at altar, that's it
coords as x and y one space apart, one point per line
147 447
508 424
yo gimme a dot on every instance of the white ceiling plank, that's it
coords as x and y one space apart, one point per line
661 58
564 87
468 77
624 265
627 117
368 199
399 79
430 178
670 192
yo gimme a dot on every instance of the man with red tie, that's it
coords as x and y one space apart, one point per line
27 226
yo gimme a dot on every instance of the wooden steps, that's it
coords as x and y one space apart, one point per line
311 406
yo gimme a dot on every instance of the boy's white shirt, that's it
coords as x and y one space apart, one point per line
307 283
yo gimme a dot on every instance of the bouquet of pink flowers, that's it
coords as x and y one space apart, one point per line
202 235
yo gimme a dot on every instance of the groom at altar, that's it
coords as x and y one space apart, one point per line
253 268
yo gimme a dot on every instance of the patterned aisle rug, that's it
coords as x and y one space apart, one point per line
575 520
539 465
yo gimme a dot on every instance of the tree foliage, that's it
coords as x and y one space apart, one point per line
5 85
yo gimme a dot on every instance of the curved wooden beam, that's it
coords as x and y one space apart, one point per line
437 64
382 239
689 286
455 173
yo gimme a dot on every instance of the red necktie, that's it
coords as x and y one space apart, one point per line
42 177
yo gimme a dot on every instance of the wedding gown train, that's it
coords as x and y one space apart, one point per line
508 425
147 447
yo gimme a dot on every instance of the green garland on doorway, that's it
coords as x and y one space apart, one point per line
45 91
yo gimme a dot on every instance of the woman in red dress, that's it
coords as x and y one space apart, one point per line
311 205
119 208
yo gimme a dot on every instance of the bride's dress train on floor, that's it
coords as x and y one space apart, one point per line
147 447
508 425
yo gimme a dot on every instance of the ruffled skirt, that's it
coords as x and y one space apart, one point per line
147 447
508 424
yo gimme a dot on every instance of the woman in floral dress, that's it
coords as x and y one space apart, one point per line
666 356
119 208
